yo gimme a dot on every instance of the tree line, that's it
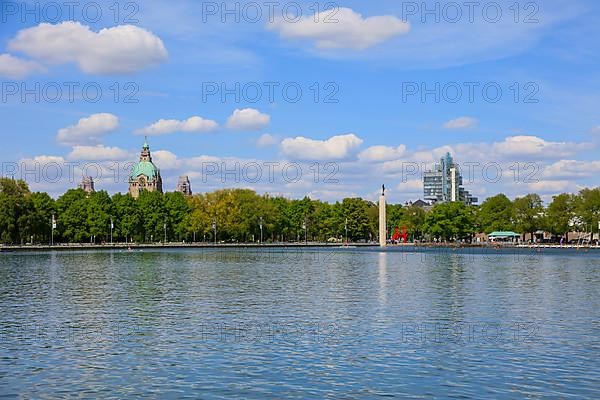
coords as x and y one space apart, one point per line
242 215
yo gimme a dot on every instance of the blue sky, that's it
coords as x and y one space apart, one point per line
367 57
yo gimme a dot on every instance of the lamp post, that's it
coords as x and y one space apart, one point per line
346 229
52 231
214 227
261 230
165 230
112 226
305 232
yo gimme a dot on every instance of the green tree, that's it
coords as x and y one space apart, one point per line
496 214
153 215
177 208
529 214
448 221
99 211
587 209
126 219
71 218
414 221
17 211
44 208
561 214
356 211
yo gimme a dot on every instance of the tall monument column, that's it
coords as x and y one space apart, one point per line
382 219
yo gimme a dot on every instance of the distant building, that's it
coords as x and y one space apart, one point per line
419 203
444 183
87 184
184 186
145 175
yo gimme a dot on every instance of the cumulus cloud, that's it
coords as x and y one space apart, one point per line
266 140
344 29
117 50
98 153
166 160
88 130
334 148
248 119
572 169
16 68
382 153
553 187
461 123
535 147
192 125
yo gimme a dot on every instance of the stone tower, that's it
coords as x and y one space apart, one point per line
184 186
87 184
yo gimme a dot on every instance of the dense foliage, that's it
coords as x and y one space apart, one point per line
237 213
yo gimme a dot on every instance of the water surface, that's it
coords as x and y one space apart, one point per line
344 323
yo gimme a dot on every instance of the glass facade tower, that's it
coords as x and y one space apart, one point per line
444 183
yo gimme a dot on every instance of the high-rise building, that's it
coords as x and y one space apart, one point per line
145 175
184 186
444 183
87 184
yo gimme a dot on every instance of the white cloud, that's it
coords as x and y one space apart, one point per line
17 68
535 147
248 119
266 140
382 153
164 159
572 169
595 130
334 148
342 29
116 50
98 153
411 186
88 130
166 126
553 187
461 123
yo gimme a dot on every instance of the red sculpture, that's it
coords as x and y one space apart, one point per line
397 235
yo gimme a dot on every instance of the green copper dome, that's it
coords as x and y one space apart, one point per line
145 168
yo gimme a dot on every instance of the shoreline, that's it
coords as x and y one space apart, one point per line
420 247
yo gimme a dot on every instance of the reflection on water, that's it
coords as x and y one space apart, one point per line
295 324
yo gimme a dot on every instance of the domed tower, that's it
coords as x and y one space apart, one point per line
145 175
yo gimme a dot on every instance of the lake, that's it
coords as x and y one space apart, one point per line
275 323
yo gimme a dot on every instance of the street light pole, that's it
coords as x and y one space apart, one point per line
261 230
346 229
214 226
52 231
165 229
111 229
305 232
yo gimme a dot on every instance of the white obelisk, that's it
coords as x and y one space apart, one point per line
382 219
